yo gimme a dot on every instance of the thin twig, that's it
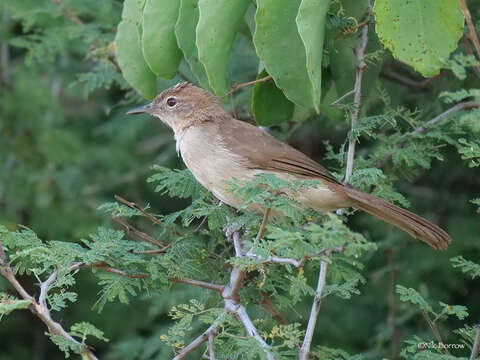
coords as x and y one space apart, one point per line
248 83
352 29
405 80
202 284
261 231
359 52
476 344
44 287
270 307
435 330
344 96
471 28
307 342
466 105
131 230
68 13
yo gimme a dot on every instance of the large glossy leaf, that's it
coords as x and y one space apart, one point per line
311 19
269 104
129 53
185 32
420 33
159 43
217 26
281 49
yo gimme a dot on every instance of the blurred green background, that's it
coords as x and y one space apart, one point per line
66 147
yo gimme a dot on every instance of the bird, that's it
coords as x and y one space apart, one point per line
217 147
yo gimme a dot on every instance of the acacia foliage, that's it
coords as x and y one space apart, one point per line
72 148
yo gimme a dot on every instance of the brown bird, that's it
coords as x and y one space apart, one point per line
217 147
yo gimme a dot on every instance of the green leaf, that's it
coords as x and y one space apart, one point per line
281 49
129 54
412 296
217 26
467 266
159 43
269 104
421 33
83 329
311 19
9 303
185 32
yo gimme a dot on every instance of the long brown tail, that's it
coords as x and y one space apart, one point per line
415 225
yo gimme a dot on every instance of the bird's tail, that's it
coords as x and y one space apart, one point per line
405 220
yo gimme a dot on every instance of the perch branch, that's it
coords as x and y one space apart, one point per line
140 235
248 83
307 342
359 52
344 96
476 344
202 284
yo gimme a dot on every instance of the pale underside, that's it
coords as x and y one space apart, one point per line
214 164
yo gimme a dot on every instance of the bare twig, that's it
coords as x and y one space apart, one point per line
307 342
471 28
405 80
105 267
139 235
476 344
239 86
68 13
264 224
466 105
359 52
202 284
344 96
198 341
270 307
435 330
44 287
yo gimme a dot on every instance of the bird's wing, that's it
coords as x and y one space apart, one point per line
263 151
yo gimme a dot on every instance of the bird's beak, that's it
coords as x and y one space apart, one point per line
140 110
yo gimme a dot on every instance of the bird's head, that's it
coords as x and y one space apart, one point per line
182 106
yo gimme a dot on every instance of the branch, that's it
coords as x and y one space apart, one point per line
242 315
468 47
344 96
68 13
435 330
40 309
202 284
140 235
145 213
211 331
359 51
239 86
472 34
264 224
211 350
307 342
476 344
466 105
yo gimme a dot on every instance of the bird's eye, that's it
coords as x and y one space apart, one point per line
171 102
